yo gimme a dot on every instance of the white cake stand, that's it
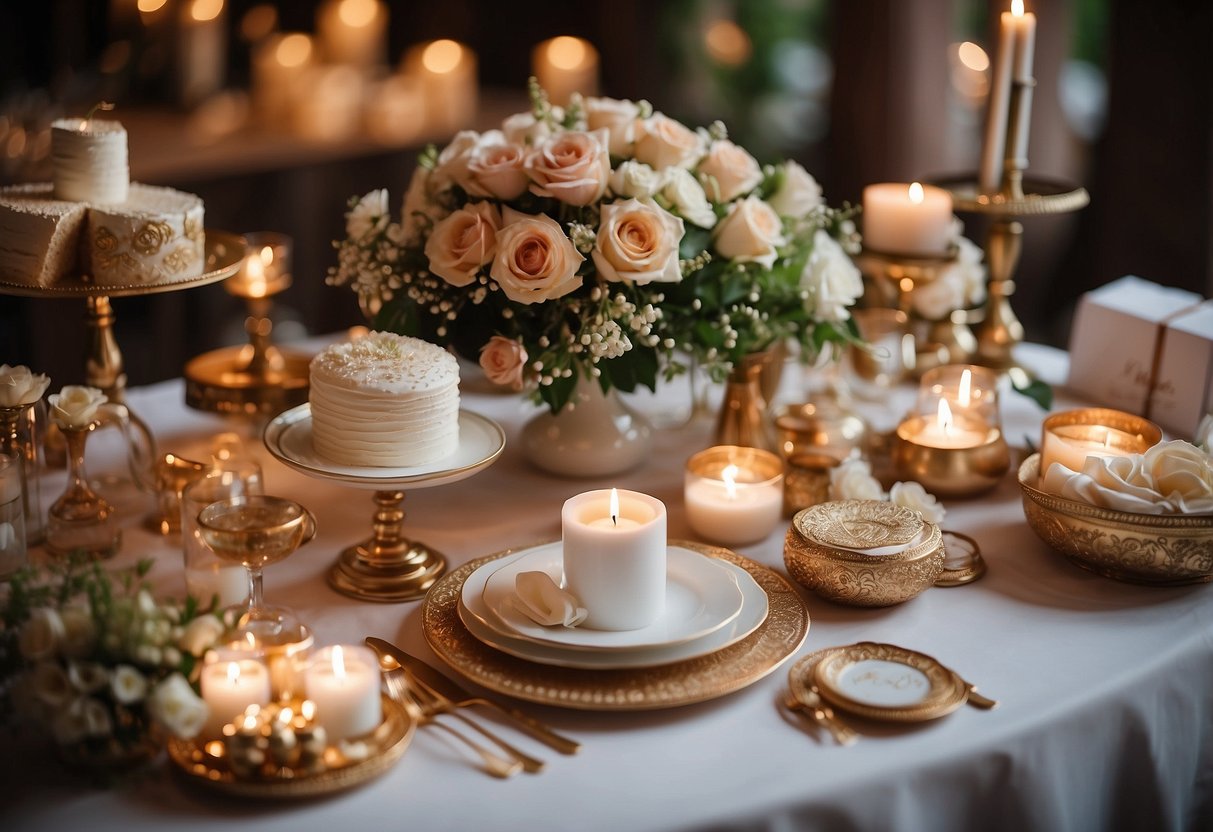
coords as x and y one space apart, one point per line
388 567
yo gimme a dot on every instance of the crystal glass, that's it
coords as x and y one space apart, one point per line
20 429
206 576
12 517
80 520
256 531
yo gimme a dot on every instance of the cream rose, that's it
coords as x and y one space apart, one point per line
618 117
1181 473
750 232
853 480
638 243
503 360
662 142
369 216
728 171
524 129
128 684
463 242
42 634
51 684
174 705
634 179
200 634
685 195
535 260
452 165
830 280
1204 434
19 386
913 496
572 167
798 195
75 406
497 168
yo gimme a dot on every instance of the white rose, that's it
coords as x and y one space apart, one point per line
503 360
728 171
463 242
618 117
535 260
19 386
638 243
171 656
663 142
960 286
41 636
69 726
369 216
853 480
634 179
913 496
524 129
798 195
75 406
174 705
452 166
1204 434
87 677
79 630
200 634
51 685
687 198
750 232
571 167
830 279
128 684
148 654
1182 473
497 168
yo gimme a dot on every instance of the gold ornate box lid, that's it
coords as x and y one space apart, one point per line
859 524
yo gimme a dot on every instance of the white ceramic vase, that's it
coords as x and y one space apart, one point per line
594 435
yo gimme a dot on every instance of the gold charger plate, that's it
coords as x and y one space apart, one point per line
625 689
882 681
388 744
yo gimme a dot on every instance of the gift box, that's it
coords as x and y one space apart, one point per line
1117 337
1183 385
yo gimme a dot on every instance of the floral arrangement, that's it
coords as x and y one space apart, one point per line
90 655
604 241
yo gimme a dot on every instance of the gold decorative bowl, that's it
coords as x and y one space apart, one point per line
815 556
1159 549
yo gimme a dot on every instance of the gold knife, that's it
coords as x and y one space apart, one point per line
462 698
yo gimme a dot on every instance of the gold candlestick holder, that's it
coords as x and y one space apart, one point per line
255 379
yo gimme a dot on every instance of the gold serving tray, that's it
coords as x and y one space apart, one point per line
387 746
628 689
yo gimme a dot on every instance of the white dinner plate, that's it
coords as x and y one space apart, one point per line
701 596
754 607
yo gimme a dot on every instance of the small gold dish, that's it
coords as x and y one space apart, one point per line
1158 549
857 578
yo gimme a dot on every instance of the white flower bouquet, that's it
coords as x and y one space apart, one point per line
595 242
90 655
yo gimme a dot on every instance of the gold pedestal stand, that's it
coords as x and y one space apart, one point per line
388 567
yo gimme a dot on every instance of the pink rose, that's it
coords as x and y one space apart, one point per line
663 143
502 360
535 260
618 118
463 242
728 171
572 167
750 232
497 168
638 243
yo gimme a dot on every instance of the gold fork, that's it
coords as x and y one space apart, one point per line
399 690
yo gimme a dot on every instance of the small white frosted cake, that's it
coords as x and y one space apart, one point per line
89 158
39 235
386 401
155 236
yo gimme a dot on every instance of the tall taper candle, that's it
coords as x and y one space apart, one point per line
1021 77
993 151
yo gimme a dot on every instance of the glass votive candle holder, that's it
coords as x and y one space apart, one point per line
821 427
286 658
733 495
267 266
343 681
967 388
951 455
887 354
1070 437
806 481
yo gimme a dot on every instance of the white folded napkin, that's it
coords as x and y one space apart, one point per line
1169 478
538 597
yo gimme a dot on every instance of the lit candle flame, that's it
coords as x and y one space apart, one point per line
339 662
285 716
204 10
250 722
357 13
294 49
308 710
252 639
1017 8
254 273
233 672
442 56
966 384
567 52
916 194
615 506
944 417
267 255
729 475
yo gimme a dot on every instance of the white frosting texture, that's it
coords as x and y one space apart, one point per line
155 236
39 235
90 161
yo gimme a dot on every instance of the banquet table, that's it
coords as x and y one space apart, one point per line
1106 688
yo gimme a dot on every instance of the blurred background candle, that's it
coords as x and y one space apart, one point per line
353 31
331 108
447 71
395 109
565 65
279 64
911 219
733 495
343 681
1073 435
228 687
267 266
202 52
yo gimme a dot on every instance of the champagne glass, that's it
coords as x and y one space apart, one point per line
256 531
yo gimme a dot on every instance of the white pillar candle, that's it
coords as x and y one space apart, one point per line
89 161
279 65
1024 25
1072 444
343 681
229 583
736 506
565 65
228 687
447 72
353 31
615 557
331 110
202 51
947 431
909 219
395 110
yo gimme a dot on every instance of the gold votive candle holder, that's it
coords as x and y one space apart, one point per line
822 427
967 458
733 494
1071 436
806 481
967 388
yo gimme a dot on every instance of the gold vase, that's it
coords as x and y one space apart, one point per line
743 413
80 520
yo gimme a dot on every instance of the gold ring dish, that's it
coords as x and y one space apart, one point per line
1158 549
385 746
626 689
819 552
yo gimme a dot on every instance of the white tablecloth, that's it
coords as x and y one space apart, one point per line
1106 688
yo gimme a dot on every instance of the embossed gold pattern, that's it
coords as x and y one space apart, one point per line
1160 549
859 524
667 686
152 237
